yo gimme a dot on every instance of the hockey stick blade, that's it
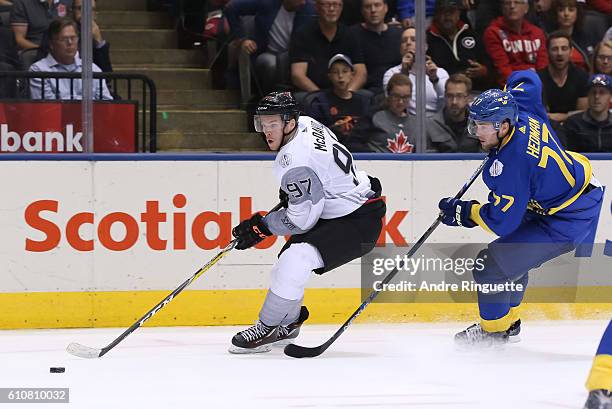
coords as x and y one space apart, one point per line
83 351
298 351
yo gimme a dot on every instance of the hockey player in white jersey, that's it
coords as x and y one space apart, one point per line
333 213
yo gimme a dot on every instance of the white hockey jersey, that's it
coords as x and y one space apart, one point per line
319 176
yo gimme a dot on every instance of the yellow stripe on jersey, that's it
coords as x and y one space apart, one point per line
588 172
507 139
498 325
515 313
601 373
476 218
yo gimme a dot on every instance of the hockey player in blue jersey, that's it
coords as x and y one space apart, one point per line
599 382
543 201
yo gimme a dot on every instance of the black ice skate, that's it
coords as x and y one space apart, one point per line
475 336
599 399
514 331
287 333
255 339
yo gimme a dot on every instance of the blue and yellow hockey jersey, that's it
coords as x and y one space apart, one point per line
530 169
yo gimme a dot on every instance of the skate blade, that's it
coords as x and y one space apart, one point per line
233 349
283 343
514 339
480 346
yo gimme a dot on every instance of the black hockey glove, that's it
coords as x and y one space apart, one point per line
250 232
284 198
457 212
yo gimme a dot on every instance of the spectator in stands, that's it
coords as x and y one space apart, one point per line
101 48
608 36
352 15
275 21
602 60
379 42
314 44
344 112
9 61
513 43
394 127
454 46
567 16
542 10
63 57
434 86
5 3
564 84
406 11
30 20
591 131
447 129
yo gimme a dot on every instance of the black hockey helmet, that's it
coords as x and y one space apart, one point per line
277 103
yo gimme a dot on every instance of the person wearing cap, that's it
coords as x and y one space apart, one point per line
379 41
454 46
340 109
591 130
513 43
314 44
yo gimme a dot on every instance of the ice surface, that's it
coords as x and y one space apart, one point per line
370 366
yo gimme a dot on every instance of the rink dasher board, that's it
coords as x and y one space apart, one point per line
61 283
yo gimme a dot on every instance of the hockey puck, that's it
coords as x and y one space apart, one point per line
57 369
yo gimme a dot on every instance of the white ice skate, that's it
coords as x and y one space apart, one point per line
476 336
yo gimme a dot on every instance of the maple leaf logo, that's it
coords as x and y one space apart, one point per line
400 143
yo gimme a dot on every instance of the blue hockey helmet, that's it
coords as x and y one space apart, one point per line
494 106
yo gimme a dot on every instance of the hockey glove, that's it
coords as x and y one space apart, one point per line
284 198
456 212
250 232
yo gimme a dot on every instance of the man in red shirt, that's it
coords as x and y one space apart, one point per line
513 43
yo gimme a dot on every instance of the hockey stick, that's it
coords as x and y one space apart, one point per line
297 351
83 351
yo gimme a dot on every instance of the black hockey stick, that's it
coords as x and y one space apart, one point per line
83 351
297 351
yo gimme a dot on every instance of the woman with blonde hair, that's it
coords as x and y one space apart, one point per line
602 58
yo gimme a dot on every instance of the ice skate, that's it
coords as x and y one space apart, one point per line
475 336
599 399
514 331
255 339
287 333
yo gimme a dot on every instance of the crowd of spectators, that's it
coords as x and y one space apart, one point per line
44 36
351 64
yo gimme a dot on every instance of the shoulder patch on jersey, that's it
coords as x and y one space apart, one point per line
496 168
523 129
285 160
